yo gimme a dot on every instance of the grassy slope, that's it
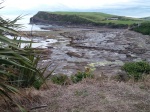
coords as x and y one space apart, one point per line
98 17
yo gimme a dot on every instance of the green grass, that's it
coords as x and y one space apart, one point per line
60 79
98 17
90 15
79 76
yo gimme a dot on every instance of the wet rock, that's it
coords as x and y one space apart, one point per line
139 51
74 54
122 75
128 55
49 47
110 59
105 49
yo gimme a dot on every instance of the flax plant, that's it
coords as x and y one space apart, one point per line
18 66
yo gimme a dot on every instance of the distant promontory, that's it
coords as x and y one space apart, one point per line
82 19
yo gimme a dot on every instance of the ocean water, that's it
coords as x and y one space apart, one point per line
38 42
24 22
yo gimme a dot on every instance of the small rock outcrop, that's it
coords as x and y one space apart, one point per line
74 54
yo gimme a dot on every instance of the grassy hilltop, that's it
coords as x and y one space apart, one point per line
84 18
98 17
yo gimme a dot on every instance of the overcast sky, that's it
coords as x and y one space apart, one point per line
81 4
135 8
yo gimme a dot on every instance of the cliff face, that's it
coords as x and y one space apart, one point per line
40 18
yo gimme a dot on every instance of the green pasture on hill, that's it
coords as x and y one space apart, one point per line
97 17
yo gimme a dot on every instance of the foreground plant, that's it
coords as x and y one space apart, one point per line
60 79
18 67
136 70
81 75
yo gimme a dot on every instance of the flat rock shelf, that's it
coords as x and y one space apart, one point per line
104 49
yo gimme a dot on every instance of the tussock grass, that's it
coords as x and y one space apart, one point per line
90 95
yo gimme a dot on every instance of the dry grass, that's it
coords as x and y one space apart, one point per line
90 95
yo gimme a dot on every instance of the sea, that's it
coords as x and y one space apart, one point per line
25 23
38 42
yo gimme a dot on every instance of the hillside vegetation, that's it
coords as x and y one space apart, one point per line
143 28
98 17
83 18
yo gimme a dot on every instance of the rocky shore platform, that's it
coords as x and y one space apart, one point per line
102 49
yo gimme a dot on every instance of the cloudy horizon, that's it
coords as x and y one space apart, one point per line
132 8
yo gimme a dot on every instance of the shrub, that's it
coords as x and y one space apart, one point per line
136 69
60 79
144 28
81 75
